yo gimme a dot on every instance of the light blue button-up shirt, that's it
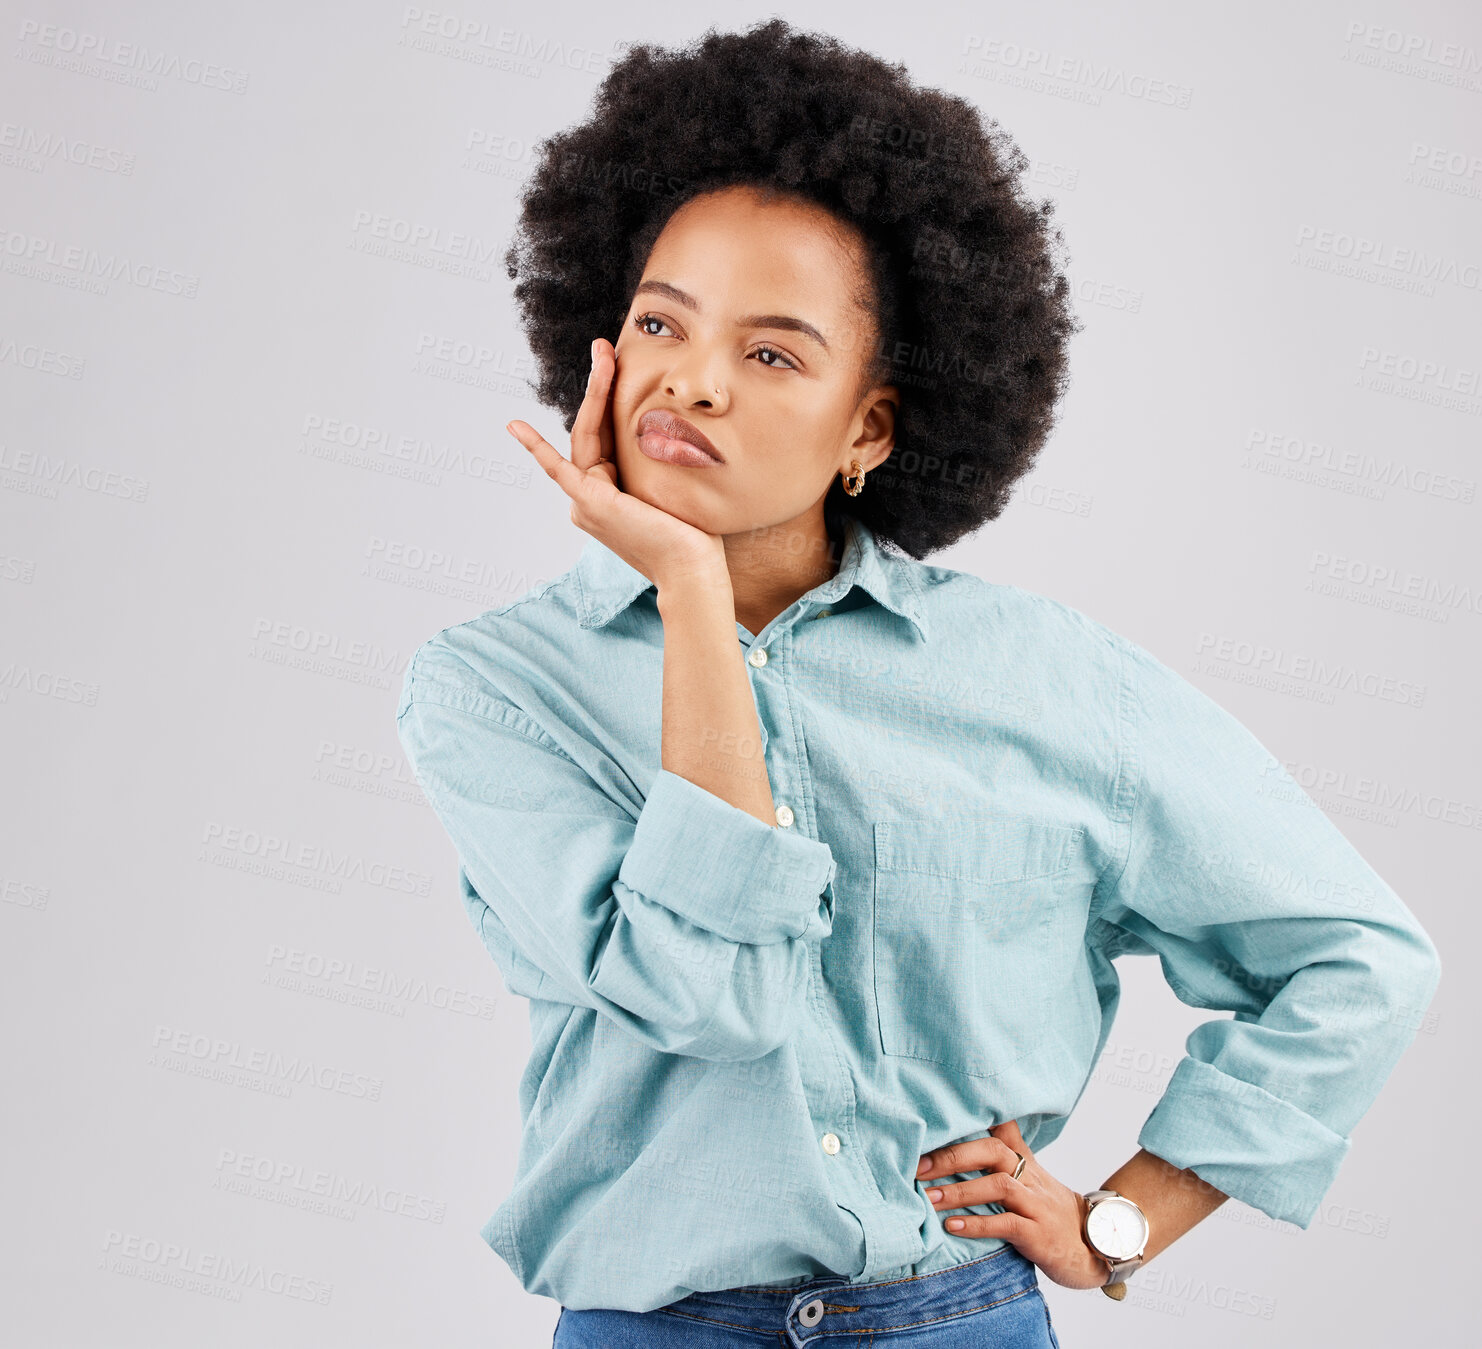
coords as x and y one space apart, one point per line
745 1036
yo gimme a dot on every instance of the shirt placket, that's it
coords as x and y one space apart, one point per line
827 1084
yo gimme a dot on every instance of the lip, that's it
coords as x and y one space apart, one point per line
672 440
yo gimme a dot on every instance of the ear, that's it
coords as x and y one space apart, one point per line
875 438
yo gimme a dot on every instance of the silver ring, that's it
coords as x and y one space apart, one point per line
1018 1169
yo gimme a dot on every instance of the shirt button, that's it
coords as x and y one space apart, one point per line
784 816
831 1143
823 613
758 656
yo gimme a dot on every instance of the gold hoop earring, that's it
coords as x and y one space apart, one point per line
854 489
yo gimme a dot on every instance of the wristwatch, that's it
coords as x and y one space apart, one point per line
1117 1230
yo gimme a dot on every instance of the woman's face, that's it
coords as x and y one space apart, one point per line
746 325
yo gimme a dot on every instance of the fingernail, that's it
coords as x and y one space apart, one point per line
933 1195
922 1166
594 350
955 1224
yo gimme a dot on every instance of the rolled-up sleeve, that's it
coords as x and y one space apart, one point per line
687 922
1256 904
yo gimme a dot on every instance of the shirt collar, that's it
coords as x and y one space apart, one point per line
608 584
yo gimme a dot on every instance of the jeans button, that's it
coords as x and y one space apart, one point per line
812 1314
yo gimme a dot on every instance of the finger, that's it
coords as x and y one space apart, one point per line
947 1161
579 486
977 1154
1009 1132
997 1187
609 448
591 435
1014 1228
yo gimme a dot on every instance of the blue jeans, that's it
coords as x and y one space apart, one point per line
993 1301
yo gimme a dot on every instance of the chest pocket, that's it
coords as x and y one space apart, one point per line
964 916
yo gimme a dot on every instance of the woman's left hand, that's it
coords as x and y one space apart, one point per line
1043 1219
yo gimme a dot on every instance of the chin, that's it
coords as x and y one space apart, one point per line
664 488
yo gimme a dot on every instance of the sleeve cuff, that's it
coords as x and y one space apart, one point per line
724 870
1240 1138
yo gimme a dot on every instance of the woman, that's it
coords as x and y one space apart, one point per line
813 857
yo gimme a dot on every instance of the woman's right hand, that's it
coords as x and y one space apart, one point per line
661 546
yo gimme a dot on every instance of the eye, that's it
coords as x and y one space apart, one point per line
771 365
641 322
640 319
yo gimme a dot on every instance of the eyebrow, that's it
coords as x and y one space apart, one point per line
786 322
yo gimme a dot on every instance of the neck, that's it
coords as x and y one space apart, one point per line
772 567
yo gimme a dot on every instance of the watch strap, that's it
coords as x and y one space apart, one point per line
1116 1281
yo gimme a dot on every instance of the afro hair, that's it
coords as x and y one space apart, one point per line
972 316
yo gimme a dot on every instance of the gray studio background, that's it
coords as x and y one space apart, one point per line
256 354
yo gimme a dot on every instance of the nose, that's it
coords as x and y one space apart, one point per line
693 380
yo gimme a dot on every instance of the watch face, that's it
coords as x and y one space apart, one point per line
1117 1228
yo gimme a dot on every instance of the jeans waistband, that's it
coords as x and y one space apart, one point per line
846 1307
